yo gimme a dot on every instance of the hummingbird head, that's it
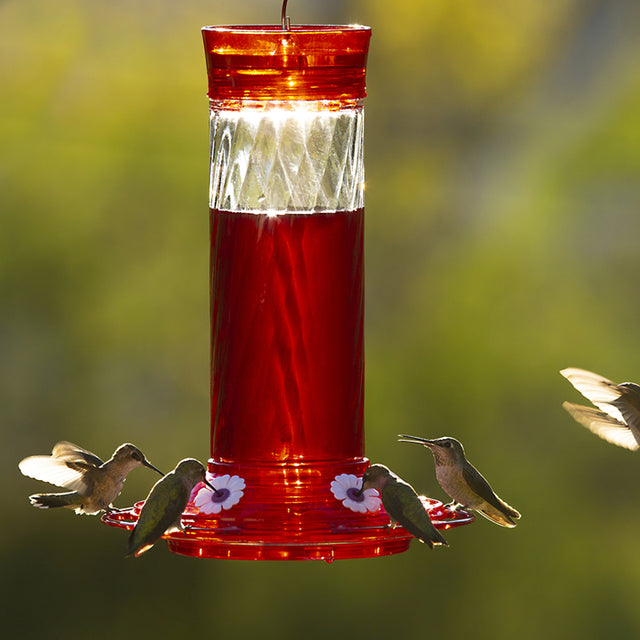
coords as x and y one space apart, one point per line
193 472
129 455
632 387
375 477
190 468
445 450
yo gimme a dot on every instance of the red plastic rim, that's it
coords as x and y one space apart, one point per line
273 521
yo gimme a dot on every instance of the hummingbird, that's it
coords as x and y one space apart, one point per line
94 484
618 418
164 505
463 482
402 504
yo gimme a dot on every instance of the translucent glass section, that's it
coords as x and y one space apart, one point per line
293 158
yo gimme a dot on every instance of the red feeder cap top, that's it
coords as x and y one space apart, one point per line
302 63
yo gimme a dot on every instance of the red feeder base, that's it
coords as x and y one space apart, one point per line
289 512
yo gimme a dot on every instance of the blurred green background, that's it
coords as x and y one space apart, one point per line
503 165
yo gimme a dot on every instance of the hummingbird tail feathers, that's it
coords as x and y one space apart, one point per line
505 518
53 500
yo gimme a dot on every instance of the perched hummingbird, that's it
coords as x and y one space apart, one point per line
618 420
94 484
164 505
402 504
463 482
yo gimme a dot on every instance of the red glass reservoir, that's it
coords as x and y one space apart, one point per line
287 372
287 362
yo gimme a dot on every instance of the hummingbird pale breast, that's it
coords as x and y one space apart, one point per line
450 478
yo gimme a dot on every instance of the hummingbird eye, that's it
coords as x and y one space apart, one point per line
446 444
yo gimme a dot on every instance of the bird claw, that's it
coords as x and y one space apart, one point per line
111 510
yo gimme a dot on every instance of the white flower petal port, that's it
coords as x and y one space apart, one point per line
346 488
230 490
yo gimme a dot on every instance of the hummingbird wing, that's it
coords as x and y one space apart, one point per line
481 487
67 467
403 505
597 389
55 471
73 453
162 509
603 425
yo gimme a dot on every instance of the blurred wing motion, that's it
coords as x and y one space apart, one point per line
65 467
603 425
618 420
602 392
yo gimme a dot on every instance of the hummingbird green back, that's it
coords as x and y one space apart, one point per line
402 504
164 506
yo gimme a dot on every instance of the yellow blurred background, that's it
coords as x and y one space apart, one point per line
502 244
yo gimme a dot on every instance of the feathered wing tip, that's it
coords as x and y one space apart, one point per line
505 517
135 547
434 540
54 471
603 425
132 545
133 551
597 389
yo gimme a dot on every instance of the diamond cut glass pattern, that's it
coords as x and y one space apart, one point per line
287 159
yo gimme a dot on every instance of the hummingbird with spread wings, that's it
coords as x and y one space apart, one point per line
94 484
617 417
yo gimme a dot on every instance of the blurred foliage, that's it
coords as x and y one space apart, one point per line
503 157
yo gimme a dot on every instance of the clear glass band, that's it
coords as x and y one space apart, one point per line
287 157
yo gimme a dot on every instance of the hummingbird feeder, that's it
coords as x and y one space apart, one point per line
287 295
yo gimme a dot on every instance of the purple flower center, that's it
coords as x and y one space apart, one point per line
354 494
221 496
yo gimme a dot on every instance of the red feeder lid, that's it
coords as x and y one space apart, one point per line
301 63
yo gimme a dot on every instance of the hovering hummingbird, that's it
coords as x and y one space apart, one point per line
463 482
164 505
402 504
618 420
94 484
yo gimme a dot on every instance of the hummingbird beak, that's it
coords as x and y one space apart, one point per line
218 493
146 463
416 440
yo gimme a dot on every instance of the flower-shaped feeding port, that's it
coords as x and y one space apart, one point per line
346 488
229 490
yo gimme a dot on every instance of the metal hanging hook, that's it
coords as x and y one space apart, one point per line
286 21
